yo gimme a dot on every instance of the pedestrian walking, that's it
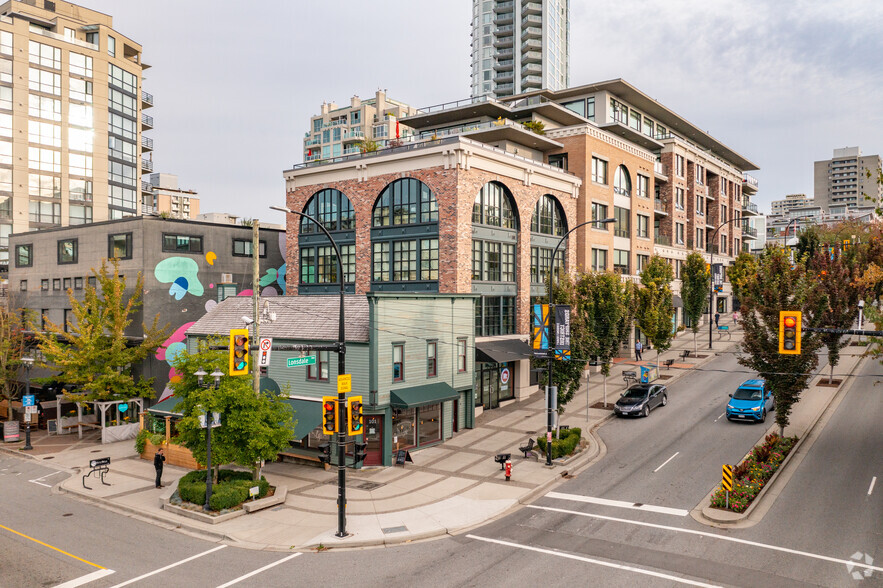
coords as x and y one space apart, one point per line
638 348
158 460
717 318
735 316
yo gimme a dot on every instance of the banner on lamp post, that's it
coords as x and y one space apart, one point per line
562 326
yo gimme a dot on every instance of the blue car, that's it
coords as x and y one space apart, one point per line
751 402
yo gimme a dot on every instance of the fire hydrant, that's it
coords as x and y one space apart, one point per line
508 469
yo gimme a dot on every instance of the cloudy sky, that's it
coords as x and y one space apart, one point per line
235 83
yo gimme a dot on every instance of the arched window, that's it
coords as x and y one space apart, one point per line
547 226
622 182
405 202
318 262
494 237
405 256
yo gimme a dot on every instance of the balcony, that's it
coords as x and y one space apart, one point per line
146 165
662 240
146 143
749 184
146 122
506 30
503 42
353 135
504 6
504 19
532 57
532 21
748 232
502 54
146 99
532 68
749 208
531 81
503 76
660 207
504 64
310 142
659 170
505 88
531 33
532 8
531 44
146 186
148 209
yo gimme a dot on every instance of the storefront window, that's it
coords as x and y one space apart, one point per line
404 427
429 424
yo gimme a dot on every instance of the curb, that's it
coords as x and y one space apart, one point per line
727 519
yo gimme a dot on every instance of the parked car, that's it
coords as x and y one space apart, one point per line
640 399
752 401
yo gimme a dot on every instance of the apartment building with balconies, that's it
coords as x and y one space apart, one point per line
790 201
519 46
343 130
71 140
162 197
846 179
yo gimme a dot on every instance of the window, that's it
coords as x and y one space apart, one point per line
43 313
700 204
92 281
621 225
319 370
643 189
643 226
44 107
622 183
679 233
47 160
699 239
181 243
78 283
68 251
599 260
548 217
635 120
577 106
403 202
700 174
599 171
621 261
44 55
24 255
56 284
599 212
44 285
47 82
620 111
111 46
331 208
398 363
493 262
724 245
643 260
493 207
679 165
79 214
724 216
23 286
679 198
242 248
494 315
461 355
123 79
648 127
80 65
558 160
119 246
45 212
431 359
66 284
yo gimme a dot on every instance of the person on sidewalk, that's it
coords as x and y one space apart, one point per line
158 460
638 348
717 318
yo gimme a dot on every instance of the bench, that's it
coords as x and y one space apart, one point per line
668 363
303 456
528 449
502 458
685 354
629 376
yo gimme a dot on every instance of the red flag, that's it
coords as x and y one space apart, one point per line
309 152
397 129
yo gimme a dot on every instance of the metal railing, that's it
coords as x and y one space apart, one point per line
750 180
146 97
146 142
750 206
662 239
146 164
146 120
146 186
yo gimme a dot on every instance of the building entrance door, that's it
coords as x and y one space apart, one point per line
374 439
490 386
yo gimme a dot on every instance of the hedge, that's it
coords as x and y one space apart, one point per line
563 446
231 490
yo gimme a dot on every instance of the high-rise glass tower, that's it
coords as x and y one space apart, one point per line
519 46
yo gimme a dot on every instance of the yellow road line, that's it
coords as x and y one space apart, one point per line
51 547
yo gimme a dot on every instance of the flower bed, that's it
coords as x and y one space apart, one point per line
750 476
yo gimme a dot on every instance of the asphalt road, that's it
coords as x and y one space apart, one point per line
588 531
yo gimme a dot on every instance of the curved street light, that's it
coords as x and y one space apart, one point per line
712 242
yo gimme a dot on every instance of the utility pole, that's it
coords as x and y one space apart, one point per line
256 296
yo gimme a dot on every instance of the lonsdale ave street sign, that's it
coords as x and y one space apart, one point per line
300 361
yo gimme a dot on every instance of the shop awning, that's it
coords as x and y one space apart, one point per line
677 302
307 413
168 407
421 395
502 350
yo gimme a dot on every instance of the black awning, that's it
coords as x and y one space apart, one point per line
502 350
422 395
677 302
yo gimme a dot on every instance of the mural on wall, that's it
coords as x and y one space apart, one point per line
167 352
181 273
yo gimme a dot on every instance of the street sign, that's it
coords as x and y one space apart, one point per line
28 400
29 410
266 346
504 376
301 361
345 383
216 420
727 481
254 491
101 461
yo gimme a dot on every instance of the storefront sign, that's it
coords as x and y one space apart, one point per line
562 326
504 378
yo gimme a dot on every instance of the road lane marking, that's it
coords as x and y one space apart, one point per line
97 574
712 535
666 461
599 562
720 417
259 570
170 566
619 504
871 489
53 548
37 480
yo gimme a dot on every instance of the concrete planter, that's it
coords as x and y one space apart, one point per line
278 497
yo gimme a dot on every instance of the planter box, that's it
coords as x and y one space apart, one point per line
176 455
119 433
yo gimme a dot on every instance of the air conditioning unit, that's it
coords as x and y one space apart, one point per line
226 278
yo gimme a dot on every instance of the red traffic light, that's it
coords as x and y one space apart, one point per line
790 322
328 406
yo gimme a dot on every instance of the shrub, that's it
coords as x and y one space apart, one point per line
227 496
231 490
750 476
144 436
191 492
563 446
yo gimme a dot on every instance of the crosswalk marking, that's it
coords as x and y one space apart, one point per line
259 570
679 512
170 566
96 575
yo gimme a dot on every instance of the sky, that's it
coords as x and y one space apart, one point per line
235 83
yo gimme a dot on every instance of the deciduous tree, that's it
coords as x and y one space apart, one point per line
655 306
11 351
694 291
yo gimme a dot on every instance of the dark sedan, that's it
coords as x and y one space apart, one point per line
640 399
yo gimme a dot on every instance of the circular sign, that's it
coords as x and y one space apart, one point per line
124 407
266 344
504 376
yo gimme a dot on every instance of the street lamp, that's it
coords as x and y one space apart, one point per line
712 242
209 420
341 370
788 228
28 363
550 389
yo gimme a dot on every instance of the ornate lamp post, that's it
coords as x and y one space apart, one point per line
209 420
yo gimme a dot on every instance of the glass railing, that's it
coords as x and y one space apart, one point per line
311 142
504 30
750 180
58 37
659 205
659 168
456 104
504 6
750 206
531 44
662 239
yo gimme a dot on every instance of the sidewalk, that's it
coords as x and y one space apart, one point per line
449 488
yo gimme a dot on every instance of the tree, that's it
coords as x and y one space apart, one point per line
809 241
12 344
744 268
654 304
694 292
92 351
535 126
841 284
254 427
774 288
367 146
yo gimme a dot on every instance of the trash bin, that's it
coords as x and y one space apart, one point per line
648 374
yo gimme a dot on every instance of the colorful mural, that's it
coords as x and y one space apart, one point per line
167 352
182 273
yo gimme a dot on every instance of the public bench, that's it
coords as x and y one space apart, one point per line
685 354
502 458
668 363
305 456
527 450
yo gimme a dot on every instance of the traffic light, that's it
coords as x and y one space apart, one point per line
329 415
355 421
360 450
325 453
790 322
239 352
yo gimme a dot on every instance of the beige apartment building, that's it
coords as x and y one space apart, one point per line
338 130
845 180
161 196
71 118
476 202
790 202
